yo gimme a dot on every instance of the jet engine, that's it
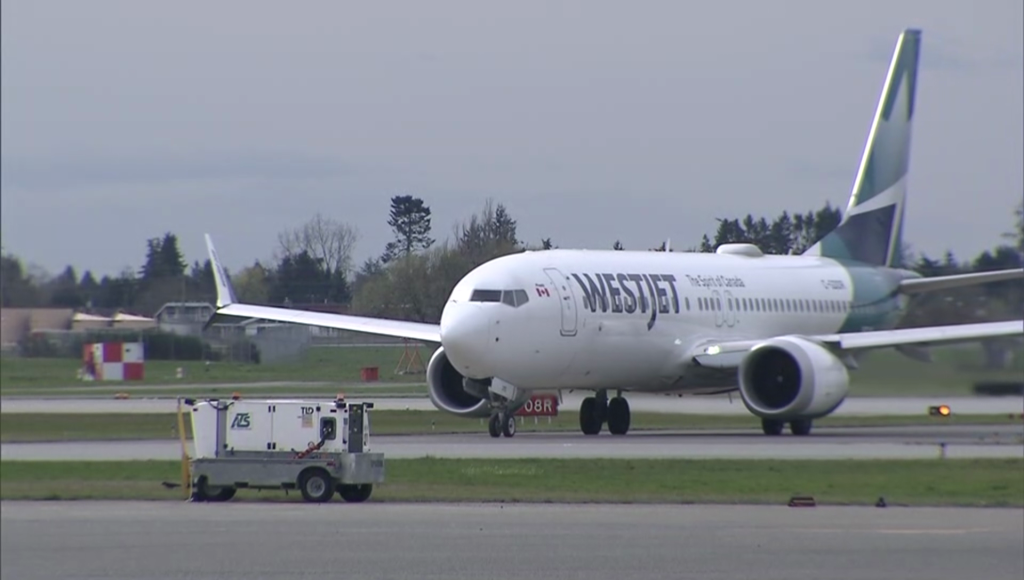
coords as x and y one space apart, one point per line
790 378
454 393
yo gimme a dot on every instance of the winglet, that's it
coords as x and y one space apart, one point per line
225 294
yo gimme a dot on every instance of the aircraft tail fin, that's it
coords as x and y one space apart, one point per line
225 293
872 226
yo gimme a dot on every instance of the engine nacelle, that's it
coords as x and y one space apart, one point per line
791 378
452 392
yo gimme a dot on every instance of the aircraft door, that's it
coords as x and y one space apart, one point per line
731 307
719 307
566 298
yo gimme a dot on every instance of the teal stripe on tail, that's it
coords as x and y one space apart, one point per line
872 227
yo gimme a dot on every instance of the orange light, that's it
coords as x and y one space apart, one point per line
944 410
941 410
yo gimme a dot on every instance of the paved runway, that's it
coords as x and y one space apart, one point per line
146 541
716 405
1002 441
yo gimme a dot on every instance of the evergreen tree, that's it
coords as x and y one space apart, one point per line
410 221
172 262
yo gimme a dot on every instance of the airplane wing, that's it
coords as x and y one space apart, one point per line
727 354
228 305
919 285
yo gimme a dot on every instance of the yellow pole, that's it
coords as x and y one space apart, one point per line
186 479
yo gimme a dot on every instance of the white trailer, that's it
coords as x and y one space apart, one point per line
317 447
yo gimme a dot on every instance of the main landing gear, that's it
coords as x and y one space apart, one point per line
596 410
796 427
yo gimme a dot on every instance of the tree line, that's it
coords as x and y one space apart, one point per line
414 273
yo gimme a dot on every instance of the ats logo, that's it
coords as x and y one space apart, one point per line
241 421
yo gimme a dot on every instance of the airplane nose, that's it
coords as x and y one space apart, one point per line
465 336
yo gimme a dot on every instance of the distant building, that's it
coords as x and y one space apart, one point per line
16 324
185 318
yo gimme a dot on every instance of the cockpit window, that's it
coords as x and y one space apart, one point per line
513 298
521 297
485 296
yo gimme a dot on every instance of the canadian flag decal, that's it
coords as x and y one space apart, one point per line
542 291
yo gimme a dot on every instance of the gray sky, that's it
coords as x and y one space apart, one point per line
631 120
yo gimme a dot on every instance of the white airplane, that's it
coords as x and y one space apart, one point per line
782 330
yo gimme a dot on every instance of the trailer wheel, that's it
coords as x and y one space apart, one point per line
202 491
316 485
355 493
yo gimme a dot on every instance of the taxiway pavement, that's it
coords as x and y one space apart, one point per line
151 540
952 441
638 402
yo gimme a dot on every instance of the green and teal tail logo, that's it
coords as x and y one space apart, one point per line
871 230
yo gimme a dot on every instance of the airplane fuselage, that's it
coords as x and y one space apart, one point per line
628 320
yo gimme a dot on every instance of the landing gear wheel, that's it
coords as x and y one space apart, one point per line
772 426
494 426
508 426
590 420
618 416
316 485
355 493
800 427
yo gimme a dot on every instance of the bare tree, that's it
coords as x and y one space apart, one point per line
324 239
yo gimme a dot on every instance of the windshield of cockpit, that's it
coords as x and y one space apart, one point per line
514 298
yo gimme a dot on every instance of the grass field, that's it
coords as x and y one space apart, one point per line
331 365
959 482
25 427
883 373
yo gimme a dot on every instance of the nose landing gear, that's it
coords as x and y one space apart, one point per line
502 423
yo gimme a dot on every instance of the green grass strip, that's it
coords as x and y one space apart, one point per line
961 482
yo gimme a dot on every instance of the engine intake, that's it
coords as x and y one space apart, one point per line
450 391
792 378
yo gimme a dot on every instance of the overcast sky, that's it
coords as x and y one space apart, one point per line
592 121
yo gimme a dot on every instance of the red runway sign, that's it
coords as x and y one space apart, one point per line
540 406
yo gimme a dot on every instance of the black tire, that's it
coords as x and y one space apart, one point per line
618 416
354 492
493 426
508 427
772 426
204 492
590 421
800 427
316 485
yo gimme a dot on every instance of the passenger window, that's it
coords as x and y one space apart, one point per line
485 296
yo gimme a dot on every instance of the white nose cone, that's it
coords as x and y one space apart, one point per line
466 338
